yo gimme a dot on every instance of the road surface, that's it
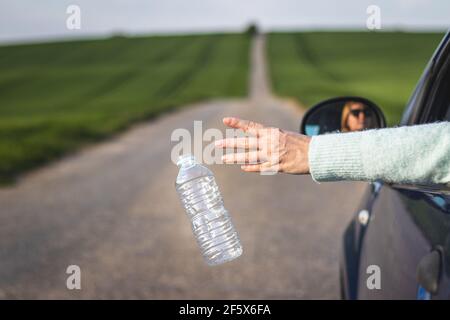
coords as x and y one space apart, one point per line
113 211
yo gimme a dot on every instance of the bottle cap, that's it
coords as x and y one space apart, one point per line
186 159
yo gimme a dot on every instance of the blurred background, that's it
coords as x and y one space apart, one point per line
78 188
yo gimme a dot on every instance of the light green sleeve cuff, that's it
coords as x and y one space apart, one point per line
334 157
406 155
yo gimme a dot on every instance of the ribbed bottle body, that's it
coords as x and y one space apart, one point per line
210 221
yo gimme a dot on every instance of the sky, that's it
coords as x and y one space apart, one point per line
40 20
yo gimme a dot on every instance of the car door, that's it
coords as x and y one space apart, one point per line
407 238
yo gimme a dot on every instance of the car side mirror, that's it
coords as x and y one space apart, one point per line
343 114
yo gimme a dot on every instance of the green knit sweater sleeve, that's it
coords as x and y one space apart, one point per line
406 155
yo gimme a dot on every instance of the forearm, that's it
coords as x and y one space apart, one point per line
414 154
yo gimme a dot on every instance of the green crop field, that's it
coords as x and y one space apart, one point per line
55 97
381 66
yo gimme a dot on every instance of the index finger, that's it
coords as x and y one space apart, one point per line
246 125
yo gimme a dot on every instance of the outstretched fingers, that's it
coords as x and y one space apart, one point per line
245 125
259 167
255 158
251 167
251 157
245 143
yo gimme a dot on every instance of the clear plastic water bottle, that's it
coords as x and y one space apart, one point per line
211 222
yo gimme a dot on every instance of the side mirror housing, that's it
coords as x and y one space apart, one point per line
342 114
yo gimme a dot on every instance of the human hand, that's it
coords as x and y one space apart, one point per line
269 148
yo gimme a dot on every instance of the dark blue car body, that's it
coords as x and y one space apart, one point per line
407 233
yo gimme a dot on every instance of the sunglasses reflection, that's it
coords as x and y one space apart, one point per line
356 116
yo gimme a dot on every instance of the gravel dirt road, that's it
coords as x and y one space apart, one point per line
112 209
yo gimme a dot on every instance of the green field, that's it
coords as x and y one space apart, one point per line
55 97
381 66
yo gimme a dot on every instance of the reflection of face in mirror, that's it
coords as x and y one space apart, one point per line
341 115
355 116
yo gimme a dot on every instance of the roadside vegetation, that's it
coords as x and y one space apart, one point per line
56 97
381 66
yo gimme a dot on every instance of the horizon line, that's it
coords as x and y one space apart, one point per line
120 33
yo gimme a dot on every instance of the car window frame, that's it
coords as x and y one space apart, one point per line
440 67
421 104
431 114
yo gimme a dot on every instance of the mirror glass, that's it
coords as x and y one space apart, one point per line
341 115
